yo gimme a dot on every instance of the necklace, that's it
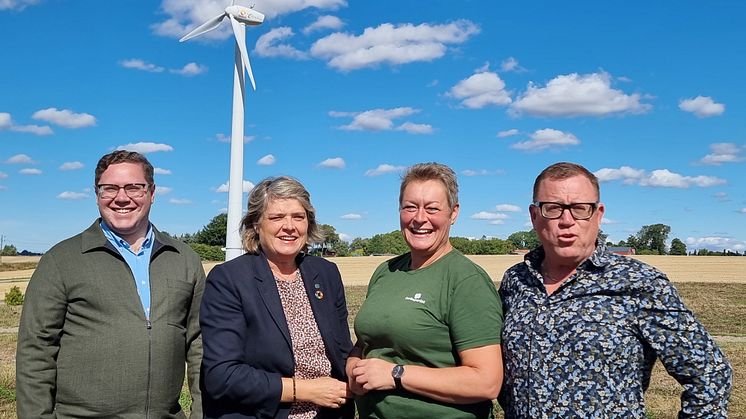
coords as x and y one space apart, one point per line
287 278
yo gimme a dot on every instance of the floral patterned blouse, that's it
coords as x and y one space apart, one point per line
587 350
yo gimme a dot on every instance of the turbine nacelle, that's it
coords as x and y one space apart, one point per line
245 15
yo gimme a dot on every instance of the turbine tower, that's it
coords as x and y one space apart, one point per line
239 17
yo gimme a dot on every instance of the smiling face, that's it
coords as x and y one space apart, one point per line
127 217
283 230
425 219
566 241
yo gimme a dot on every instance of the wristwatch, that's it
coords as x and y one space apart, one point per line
397 372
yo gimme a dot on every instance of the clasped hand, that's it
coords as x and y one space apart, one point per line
371 374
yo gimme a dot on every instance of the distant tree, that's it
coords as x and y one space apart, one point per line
677 247
213 234
651 239
332 242
389 243
524 239
602 236
207 252
9 250
358 247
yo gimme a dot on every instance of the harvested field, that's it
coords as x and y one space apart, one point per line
357 270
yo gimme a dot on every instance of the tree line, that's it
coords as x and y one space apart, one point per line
649 240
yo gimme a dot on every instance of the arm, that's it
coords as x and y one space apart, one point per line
42 320
686 350
226 374
478 378
194 341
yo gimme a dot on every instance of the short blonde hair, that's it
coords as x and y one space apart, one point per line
280 187
423 172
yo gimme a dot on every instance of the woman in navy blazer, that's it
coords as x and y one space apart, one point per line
274 321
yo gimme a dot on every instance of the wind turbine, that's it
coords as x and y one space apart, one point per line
239 17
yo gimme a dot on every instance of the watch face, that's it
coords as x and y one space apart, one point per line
398 371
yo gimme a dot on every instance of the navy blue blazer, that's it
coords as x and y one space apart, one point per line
246 340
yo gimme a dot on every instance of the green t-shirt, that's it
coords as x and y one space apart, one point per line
425 317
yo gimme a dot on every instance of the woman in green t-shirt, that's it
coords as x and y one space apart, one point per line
428 333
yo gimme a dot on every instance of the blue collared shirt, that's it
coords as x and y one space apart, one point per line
139 262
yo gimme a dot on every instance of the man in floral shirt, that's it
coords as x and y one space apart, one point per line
583 326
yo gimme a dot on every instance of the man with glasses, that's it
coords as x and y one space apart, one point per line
583 327
111 316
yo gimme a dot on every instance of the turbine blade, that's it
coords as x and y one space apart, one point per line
205 27
239 31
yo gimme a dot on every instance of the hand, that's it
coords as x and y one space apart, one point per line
323 391
355 388
373 374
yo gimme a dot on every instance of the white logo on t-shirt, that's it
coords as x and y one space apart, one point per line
417 298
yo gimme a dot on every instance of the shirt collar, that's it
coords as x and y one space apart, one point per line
121 243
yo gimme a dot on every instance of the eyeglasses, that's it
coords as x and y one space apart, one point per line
578 210
132 190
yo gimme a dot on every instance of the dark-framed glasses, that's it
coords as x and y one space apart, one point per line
578 210
132 190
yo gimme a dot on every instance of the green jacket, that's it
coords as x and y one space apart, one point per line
84 346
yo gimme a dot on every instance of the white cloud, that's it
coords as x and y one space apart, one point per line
6 122
715 243
270 45
606 220
3 187
660 178
333 163
161 171
227 138
742 210
545 138
486 215
578 95
3 175
138 64
145 147
267 160
481 172
480 90
247 187
19 159
507 133
383 169
413 128
324 22
17 5
702 106
508 208
511 64
391 44
72 196
190 69
723 153
71 165
351 217
179 201
381 120
185 15
721 196
163 190
65 118
30 171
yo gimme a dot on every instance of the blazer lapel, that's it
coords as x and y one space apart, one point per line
317 295
271 297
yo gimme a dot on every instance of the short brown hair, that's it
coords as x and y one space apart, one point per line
124 156
432 171
281 187
565 170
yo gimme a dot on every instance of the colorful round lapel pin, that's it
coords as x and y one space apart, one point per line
319 294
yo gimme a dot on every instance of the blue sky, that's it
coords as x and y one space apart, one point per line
648 95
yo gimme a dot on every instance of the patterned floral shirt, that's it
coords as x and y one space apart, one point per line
587 350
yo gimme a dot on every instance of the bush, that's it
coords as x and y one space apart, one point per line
14 296
207 252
